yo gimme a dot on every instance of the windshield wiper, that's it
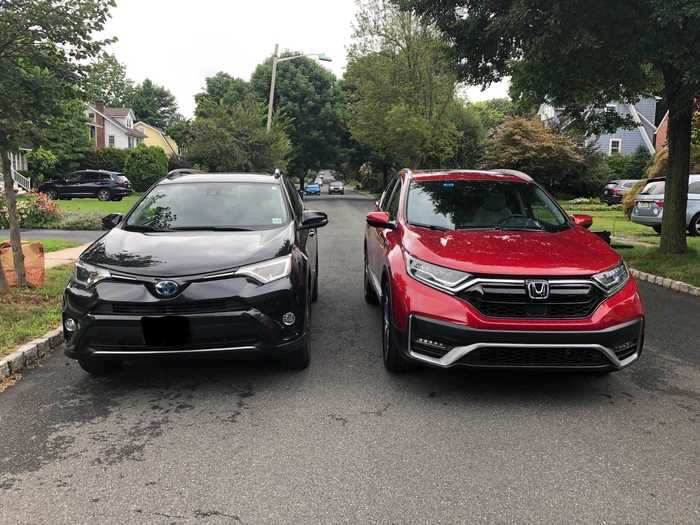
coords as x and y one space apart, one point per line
432 227
142 228
211 228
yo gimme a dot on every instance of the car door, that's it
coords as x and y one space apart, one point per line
87 185
307 240
377 237
71 185
693 198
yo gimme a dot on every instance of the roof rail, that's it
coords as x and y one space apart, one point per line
183 171
514 173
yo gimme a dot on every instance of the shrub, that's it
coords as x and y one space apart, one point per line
144 166
35 210
42 163
176 162
110 159
79 221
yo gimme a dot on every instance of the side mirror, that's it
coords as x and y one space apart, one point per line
111 220
585 221
313 219
380 219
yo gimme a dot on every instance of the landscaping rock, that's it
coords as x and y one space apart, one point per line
16 361
4 369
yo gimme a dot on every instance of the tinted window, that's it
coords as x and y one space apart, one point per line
235 205
386 195
393 203
694 187
297 203
87 177
654 188
462 204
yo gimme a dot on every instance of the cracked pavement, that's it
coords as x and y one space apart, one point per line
345 442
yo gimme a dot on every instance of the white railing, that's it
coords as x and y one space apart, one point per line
23 182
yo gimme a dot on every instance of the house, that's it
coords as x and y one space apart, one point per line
662 131
157 137
113 127
18 163
622 141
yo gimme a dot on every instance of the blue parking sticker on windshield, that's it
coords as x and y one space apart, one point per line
276 220
448 184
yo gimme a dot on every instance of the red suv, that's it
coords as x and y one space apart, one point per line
484 269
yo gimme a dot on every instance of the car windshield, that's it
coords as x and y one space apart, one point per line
467 204
336 184
654 188
210 206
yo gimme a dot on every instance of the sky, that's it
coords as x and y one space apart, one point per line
178 43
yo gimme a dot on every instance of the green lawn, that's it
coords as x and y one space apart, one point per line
53 245
29 313
93 206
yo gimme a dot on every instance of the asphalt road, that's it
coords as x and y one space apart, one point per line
345 442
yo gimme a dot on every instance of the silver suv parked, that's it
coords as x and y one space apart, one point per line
649 205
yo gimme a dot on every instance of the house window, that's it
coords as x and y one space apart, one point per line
111 141
615 146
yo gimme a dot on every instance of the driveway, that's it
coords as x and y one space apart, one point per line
81 236
346 442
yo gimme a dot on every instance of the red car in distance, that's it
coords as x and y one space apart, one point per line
484 269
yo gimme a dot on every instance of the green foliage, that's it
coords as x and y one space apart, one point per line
144 166
153 104
106 80
493 112
235 139
307 100
628 166
41 164
66 135
223 89
36 210
109 159
526 145
179 130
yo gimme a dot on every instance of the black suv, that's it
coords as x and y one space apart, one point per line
203 265
105 185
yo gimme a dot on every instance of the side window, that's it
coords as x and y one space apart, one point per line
694 187
297 203
393 205
386 195
87 177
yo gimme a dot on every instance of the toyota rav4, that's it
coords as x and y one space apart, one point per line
484 269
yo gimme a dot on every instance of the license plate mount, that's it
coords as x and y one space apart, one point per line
166 331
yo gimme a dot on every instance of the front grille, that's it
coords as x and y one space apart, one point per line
540 357
509 299
173 308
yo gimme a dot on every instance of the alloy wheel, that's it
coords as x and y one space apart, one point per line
103 195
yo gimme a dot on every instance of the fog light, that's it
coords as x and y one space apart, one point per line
70 325
429 342
289 318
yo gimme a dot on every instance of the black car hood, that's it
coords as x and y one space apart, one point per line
176 254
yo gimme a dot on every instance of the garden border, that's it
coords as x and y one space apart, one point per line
29 353
666 282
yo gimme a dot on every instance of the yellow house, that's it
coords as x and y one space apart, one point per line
157 137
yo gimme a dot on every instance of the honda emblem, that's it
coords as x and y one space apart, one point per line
537 290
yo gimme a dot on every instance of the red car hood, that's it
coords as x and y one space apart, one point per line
528 253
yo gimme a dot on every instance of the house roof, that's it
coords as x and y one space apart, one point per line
108 114
168 140
117 112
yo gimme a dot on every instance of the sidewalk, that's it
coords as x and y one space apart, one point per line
63 257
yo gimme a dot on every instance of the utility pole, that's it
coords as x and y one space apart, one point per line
272 87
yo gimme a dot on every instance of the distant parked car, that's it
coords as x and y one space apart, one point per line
336 187
104 185
649 205
313 189
615 190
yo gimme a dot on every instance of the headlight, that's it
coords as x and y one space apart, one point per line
613 280
88 275
433 275
268 271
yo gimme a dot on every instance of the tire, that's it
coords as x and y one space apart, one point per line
370 296
116 199
104 195
52 194
694 226
657 229
98 367
393 360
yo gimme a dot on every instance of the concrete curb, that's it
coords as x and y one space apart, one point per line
30 352
666 282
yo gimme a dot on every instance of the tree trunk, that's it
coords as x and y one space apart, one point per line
680 118
4 287
15 240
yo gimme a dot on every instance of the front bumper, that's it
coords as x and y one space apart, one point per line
443 344
210 318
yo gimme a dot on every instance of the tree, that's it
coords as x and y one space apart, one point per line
224 89
579 55
401 87
234 138
145 165
180 131
307 98
153 104
107 81
41 162
43 46
493 112
66 134
526 145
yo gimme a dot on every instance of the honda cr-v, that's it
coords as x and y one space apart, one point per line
485 269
